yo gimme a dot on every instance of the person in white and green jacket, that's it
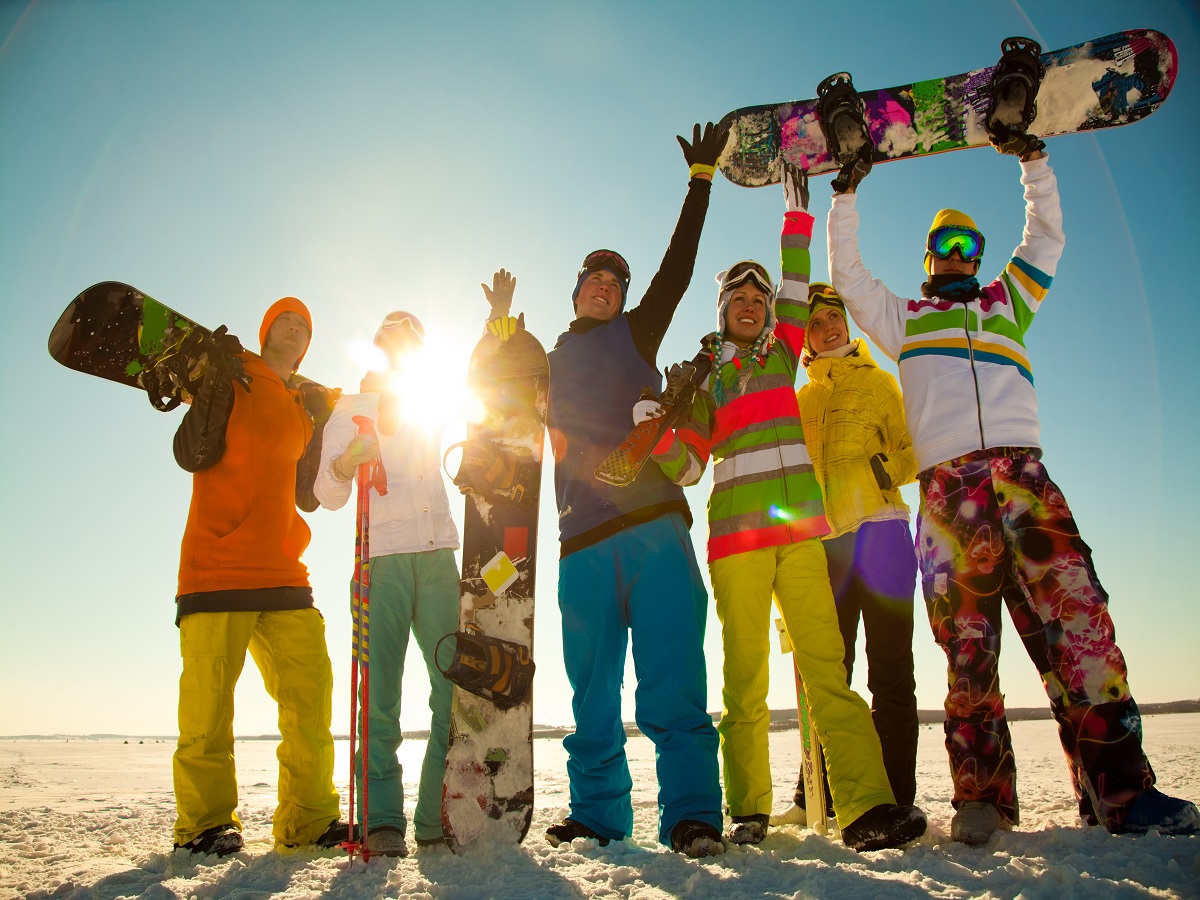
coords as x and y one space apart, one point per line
993 528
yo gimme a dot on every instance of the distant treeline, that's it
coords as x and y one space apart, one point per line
781 720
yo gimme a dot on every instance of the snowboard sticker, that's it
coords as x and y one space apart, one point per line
1109 81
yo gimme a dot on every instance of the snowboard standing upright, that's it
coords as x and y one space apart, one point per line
1109 81
812 774
488 790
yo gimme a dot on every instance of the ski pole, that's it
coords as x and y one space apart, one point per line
369 475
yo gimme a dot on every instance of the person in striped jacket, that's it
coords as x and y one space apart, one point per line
993 528
766 519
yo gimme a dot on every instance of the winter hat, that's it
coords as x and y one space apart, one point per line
948 217
278 308
400 319
740 273
604 261
821 295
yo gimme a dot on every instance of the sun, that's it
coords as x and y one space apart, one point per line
429 384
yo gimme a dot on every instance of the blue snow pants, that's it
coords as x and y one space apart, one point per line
642 581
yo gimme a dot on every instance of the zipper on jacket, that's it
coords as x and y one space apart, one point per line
974 374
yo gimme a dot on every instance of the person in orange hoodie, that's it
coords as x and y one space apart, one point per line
253 452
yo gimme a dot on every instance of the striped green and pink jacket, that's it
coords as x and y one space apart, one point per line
765 493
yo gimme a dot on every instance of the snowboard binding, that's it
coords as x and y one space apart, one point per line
180 369
488 468
497 670
1014 88
842 116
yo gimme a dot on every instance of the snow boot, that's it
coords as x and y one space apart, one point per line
793 815
975 821
883 826
696 839
386 840
220 840
748 829
568 830
1154 809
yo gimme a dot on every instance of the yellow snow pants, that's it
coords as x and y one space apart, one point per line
288 646
797 576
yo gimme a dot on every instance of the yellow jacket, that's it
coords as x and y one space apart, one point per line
851 410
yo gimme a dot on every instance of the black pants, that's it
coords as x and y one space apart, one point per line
873 572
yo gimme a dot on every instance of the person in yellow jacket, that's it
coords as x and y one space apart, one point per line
853 417
253 453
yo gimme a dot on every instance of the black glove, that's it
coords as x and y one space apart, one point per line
882 478
318 400
225 354
704 150
853 172
1015 143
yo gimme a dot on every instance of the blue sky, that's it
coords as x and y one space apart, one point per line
373 156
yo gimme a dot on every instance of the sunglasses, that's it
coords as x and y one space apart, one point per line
945 240
744 272
605 259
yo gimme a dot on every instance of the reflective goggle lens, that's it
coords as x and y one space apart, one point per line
605 259
945 240
743 272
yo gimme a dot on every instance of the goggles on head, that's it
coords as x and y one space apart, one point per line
945 240
402 320
605 259
747 272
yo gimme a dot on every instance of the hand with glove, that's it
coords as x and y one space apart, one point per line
362 449
795 187
1016 143
225 353
704 150
499 297
644 410
853 172
882 478
318 400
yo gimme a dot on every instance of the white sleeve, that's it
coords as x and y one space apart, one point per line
332 492
874 308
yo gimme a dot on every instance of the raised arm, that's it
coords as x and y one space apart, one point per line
649 320
791 303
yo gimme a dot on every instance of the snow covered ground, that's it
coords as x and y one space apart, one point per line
92 819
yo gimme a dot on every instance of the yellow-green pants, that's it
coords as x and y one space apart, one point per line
797 576
288 646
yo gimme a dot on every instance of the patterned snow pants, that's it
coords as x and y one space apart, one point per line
994 527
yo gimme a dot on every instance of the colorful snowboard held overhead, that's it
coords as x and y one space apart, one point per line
1109 81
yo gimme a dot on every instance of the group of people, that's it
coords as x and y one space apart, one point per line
805 513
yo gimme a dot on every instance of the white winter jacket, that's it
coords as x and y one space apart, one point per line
414 515
963 367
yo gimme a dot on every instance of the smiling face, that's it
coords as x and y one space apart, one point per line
827 330
746 315
599 296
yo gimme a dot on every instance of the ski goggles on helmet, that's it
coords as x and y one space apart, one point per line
945 240
400 320
747 272
605 259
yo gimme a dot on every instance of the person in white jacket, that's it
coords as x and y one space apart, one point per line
993 528
414 578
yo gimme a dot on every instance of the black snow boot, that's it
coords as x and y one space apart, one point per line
220 840
696 839
569 829
883 826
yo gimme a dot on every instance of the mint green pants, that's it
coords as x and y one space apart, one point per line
417 593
